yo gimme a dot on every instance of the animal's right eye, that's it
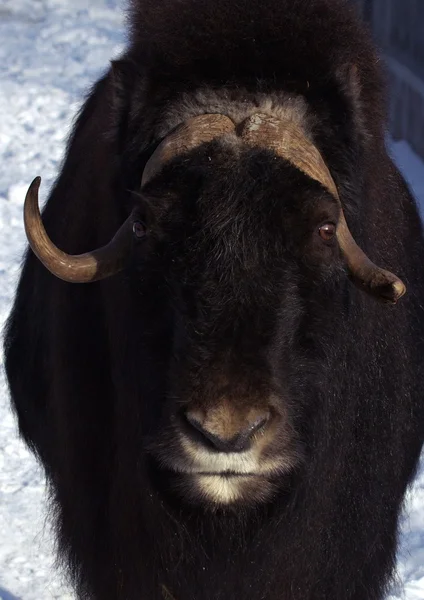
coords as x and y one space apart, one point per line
139 230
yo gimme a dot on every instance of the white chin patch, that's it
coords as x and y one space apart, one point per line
221 488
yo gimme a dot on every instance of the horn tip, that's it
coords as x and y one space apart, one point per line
399 289
383 285
33 188
392 292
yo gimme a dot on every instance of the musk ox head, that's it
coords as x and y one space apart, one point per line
244 225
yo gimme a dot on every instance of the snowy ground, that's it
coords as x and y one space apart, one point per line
50 52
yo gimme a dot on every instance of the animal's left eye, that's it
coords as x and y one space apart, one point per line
327 231
139 229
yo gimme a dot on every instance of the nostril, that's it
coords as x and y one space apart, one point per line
205 435
244 439
257 425
194 421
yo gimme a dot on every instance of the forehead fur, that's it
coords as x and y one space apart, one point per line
238 106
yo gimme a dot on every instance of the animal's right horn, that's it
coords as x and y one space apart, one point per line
81 268
188 135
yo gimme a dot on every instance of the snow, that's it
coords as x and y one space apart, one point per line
51 52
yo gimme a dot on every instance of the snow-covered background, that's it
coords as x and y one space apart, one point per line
51 51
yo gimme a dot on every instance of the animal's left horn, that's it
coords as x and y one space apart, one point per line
289 141
81 268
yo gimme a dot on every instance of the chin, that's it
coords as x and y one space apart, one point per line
221 491
226 489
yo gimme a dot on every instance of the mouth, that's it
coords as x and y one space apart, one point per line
226 474
214 479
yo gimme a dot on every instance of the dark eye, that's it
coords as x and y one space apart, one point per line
139 229
327 231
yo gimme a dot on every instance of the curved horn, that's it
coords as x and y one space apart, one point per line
190 134
110 259
81 268
288 141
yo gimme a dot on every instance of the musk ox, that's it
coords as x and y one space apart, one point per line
231 406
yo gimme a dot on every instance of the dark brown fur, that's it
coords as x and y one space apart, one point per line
233 291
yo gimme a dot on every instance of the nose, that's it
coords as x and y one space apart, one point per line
226 430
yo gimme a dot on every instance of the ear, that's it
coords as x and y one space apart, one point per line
349 79
122 77
354 84
351 86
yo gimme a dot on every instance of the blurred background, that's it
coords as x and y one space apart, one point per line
398 28
51 52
